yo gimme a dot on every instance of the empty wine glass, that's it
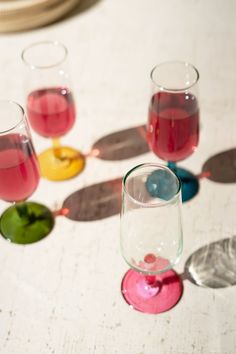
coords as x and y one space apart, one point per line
151 237
173 121
51 107
24 222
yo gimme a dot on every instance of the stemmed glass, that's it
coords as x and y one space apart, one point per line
151 237
24 222
173 121
51 107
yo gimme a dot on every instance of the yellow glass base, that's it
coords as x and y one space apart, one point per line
59 164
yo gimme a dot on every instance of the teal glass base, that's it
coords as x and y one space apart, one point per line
26 222
189 182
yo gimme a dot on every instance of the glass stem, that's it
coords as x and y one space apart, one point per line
56 144
28 217
172 166
150 280
22 210
149 286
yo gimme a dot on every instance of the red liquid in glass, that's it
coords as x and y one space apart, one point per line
51 111
19 172
173 125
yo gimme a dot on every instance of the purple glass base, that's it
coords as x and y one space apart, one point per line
159 296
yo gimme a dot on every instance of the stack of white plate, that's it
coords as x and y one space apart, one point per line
18 15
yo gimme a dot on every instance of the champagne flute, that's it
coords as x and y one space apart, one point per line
23 222
151 237
51 107
173 121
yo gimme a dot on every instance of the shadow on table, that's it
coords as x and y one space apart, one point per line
214 265
121 145
94 202
102 200
97 201
221 167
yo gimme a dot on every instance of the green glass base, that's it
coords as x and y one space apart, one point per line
26 222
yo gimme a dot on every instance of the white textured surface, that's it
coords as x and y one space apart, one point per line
62 295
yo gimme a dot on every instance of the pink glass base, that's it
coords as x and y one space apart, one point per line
153 297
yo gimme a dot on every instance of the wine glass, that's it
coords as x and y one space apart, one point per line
151 237
51 107
23 222
173 121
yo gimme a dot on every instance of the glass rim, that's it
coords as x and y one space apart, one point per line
35 44
169 89
160 203
22 119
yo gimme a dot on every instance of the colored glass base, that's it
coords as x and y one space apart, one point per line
26 222
189 182
156 298
162 184
58 164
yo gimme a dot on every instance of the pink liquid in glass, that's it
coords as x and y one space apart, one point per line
19 171
51 111
173 125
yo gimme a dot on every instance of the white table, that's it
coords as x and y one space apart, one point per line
62 295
